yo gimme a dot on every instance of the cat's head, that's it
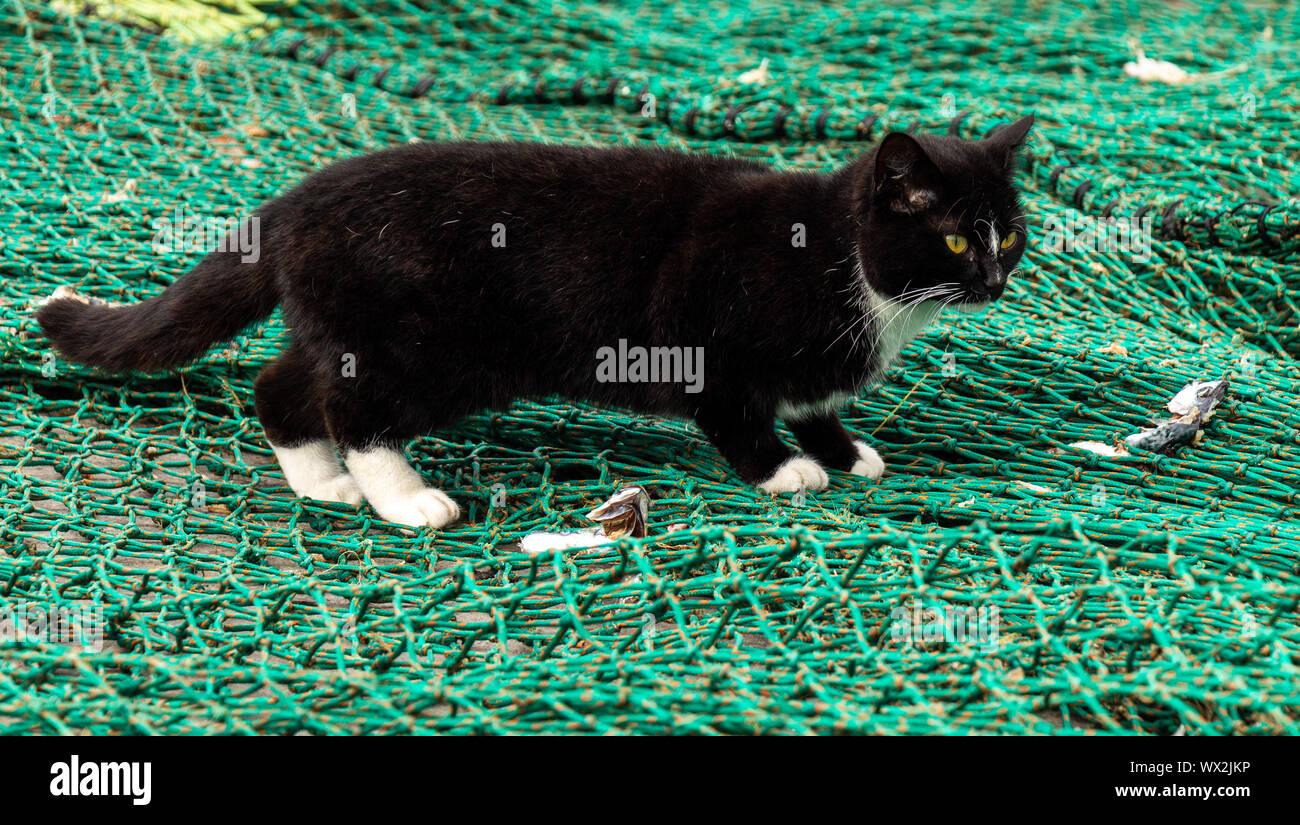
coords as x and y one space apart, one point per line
940 219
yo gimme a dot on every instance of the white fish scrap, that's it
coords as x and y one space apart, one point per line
1100 448
1147 70
543 542
1162 71
1192 407
1186 398
760 75
622 514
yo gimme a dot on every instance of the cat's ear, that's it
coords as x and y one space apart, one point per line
1005 140
904 176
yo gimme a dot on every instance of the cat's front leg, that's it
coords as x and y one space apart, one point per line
748 440
824 438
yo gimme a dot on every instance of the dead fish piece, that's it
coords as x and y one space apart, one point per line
622 514
1164 438
1037 488
760 75
1101 448
543 542
1192 407
1147 70
1192 395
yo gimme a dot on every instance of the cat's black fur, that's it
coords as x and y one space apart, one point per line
388 258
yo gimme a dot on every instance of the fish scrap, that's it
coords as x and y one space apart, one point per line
622 514
1192 407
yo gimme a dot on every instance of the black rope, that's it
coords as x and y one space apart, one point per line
1168 226
819 128
863 128
423 86
1080 191
778 122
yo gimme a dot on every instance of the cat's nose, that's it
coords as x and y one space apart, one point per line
995 280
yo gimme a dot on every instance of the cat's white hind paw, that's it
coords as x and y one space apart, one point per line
869 462
397 492
798 473
427 506
341 488
312 470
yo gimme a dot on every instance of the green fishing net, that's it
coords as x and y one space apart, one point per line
998 579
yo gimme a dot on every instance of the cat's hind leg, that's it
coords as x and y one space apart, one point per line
395 489
289 406
370 432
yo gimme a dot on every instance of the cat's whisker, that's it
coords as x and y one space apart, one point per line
906 300
909 297
911 306
933 294
952 207
847 329
915 300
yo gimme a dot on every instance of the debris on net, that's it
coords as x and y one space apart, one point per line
1192 408
622 514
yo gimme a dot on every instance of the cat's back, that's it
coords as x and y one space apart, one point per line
462 170
418 206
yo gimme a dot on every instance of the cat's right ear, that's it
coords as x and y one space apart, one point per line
905 178
1007 138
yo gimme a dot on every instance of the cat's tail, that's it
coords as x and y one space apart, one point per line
210 303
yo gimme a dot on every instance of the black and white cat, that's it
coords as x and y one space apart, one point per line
429 281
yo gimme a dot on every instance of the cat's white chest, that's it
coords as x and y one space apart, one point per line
896 326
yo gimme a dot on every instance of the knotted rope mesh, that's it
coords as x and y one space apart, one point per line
1138 593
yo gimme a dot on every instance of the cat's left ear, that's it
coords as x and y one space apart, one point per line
904 176
1007 139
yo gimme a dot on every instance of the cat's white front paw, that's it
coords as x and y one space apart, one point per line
426 506
869 462
798 473
342 488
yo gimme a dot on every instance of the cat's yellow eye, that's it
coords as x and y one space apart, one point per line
1009 241
957 243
